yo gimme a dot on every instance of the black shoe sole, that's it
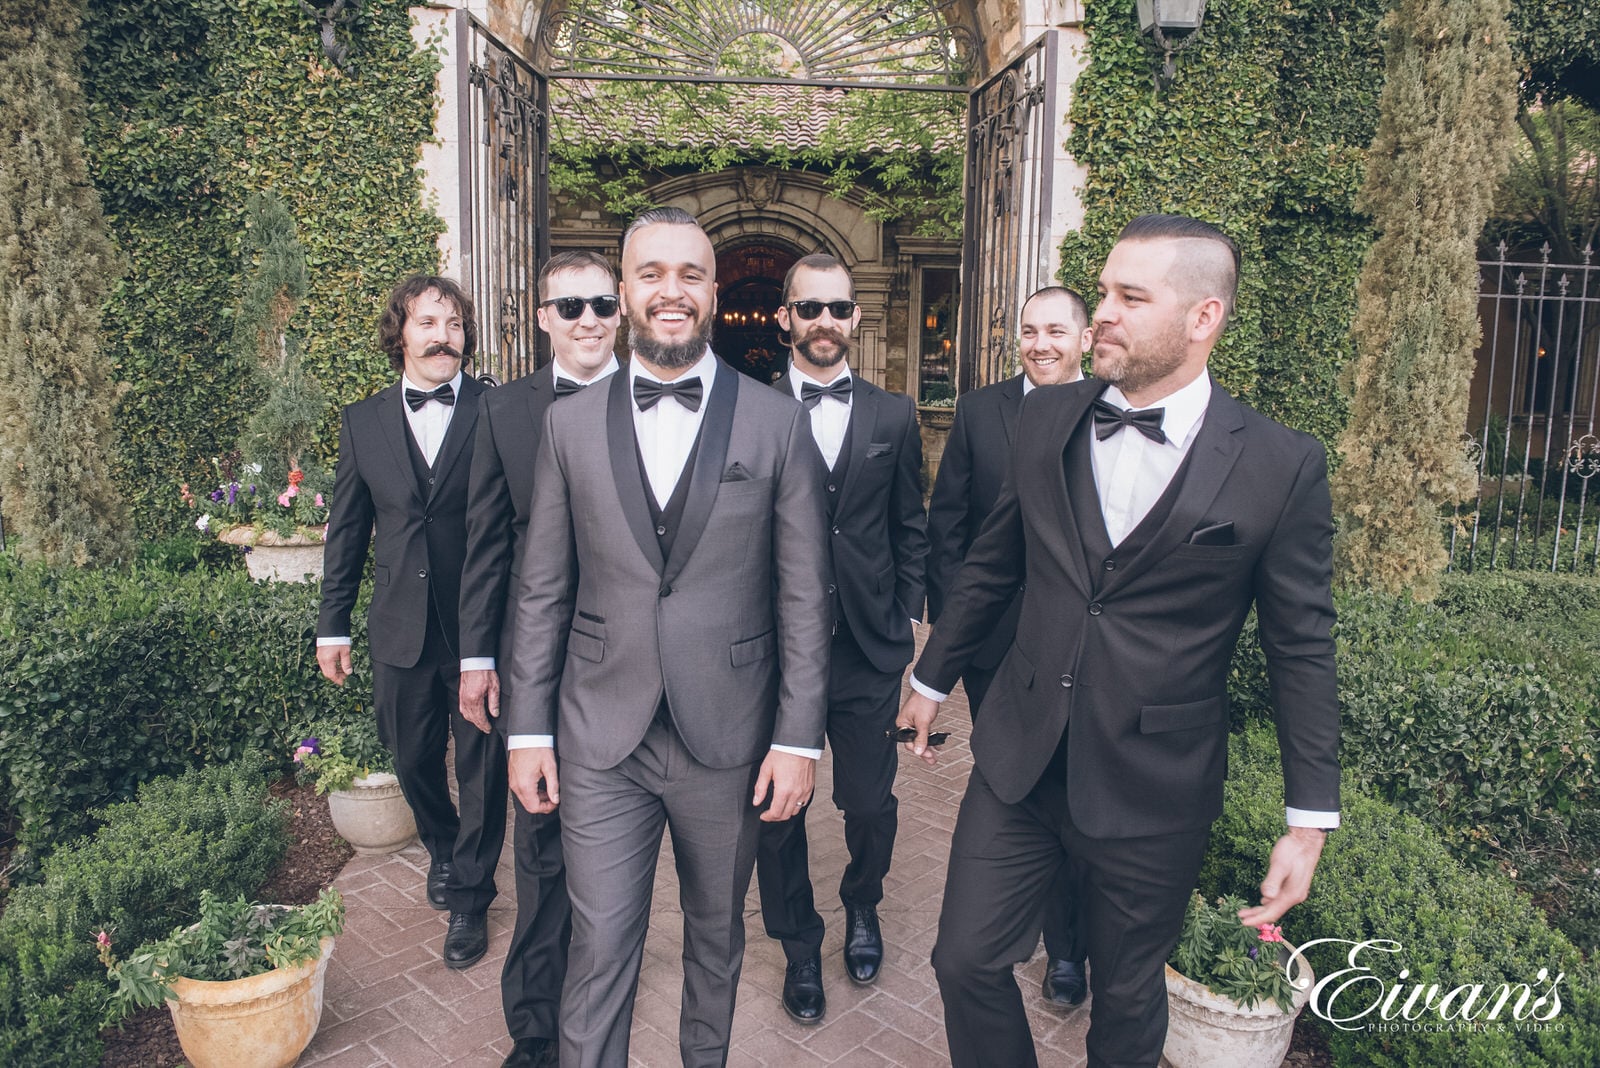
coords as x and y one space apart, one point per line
457 966
864 982
806 1021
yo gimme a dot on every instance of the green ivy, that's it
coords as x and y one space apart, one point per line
193 106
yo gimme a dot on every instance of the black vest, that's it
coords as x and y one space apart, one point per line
423 472
668 520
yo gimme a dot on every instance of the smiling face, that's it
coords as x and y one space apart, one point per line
433 337
1054 337
584 345
669 294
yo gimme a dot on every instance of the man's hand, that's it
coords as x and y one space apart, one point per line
334 660
1288 881
478 688
791 777
533 779
919 712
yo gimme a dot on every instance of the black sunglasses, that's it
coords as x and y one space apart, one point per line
808 310
572 307
909 734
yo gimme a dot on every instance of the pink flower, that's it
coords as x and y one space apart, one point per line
283 499
292 491
301 752
318 501
1271 932
103 940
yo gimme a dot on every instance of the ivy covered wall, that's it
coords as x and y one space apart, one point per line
1263 133
193 106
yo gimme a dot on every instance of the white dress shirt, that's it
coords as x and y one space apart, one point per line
830 419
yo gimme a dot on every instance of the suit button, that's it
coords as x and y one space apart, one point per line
832 488
422 573
427 519
832 588
430 480
661 532
666 591
1066 682
1094 608
836 530
1111 565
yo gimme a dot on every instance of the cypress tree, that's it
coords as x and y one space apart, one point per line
57 391
1444 134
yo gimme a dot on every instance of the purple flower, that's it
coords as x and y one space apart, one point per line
312 744
1252 952
252 489
216 494
233 492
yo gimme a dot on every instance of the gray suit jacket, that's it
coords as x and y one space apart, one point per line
734 629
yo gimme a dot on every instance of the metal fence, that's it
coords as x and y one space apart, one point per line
1532 419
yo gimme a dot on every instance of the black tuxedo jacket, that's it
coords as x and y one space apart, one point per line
879 532
1132 664
510 420
971 473
418 534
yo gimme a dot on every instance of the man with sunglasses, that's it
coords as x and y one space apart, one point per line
872 452
579 310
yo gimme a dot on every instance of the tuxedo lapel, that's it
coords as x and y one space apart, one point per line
1010 405
862 429
397 432
707 475
1071 413
463 422
541 393
625 469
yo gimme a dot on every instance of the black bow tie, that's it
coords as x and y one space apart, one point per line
647 392
565 386
417 398
811 394
1108 419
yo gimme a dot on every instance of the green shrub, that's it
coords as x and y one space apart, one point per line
108 680
1384 875
142 872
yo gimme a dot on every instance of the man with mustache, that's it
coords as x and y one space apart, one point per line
401 486
672 634
872 482
1054 334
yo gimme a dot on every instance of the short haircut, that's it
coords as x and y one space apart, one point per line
1080 309
391 324
1204 274
573 261
660 217
817 261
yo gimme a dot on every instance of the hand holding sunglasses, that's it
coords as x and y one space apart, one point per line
570 308
807 310
909 734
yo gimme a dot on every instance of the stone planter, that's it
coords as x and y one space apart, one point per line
271 557
1205 1029
264 1021
372 815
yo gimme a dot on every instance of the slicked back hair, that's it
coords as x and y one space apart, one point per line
573 261
817 261
1183 228
391 324
660 217
1080 309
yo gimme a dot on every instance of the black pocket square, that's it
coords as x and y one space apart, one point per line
736 473
879 448
1216 534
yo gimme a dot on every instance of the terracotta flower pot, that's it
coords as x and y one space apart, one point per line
273 557
1205 1029
372 815
264 1021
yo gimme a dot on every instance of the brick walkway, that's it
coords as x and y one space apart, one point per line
391 1001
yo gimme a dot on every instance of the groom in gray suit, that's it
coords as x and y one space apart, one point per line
672 636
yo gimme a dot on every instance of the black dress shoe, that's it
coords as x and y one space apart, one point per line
1064 983
466 940
863 944
438 875
533 1053
802 991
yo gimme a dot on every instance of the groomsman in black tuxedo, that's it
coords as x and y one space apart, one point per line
401 487
579 310
872 453
1054 335
1148 511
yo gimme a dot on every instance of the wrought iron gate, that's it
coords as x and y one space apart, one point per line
1532 421
503 108
1012 130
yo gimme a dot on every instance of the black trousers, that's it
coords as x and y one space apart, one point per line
417 710
1063 935
1134 890
536 960
862 704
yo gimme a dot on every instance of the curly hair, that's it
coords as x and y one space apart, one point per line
391 325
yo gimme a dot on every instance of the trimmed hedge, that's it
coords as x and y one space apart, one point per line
108 680
1384 875
137 877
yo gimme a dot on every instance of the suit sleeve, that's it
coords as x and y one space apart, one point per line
947 514
908 536
800 568
1294 607
349 536
545 597
487 567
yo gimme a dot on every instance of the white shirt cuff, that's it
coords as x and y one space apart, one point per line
1301 817
331 641
531 741
927 691
814 754
477 663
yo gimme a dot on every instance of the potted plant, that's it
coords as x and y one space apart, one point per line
244 984
347 763
1230 998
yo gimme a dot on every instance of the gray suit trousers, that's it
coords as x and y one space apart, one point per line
611 836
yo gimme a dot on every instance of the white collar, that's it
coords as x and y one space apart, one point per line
1183 408
559 370
799 377
454 383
